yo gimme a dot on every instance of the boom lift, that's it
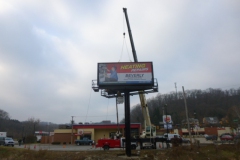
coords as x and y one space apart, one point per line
150 130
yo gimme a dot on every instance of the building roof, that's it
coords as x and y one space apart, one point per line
101 126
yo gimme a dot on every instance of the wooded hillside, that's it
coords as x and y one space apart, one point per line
205 103
17 129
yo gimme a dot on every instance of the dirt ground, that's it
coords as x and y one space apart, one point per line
211 151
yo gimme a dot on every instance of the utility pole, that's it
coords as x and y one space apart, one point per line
166 118
72 131
48 135
186 109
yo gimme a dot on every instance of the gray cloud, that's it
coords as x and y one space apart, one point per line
49 52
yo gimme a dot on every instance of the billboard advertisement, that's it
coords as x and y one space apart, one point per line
168 126
167 119
125 73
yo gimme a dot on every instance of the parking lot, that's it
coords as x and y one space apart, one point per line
90 148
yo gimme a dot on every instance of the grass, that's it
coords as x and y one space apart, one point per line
222 152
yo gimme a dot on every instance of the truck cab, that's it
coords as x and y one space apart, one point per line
114 143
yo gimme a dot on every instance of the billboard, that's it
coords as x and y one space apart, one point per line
168 126
125 73
167 119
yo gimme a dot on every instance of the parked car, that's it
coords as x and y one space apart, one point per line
205 135
226 138
160 136
184 140
225 134
237 137
6 141
84 141
211 137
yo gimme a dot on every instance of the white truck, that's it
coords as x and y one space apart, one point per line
170 136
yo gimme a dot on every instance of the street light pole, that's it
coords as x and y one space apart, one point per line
166 118
72 131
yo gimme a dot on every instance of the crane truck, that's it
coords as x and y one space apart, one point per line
148 137
150 130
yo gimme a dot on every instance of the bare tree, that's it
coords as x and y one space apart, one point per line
4 114
30 126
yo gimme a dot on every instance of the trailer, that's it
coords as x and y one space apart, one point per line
151 143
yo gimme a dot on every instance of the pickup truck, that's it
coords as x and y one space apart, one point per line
6 141
84 141
114 143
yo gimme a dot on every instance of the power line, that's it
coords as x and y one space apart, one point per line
88 104
107 109
99 116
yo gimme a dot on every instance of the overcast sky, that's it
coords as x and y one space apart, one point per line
49 50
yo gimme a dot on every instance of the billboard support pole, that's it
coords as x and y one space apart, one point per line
127 123
117 116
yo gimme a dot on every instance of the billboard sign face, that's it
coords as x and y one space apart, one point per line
168 126
125 73
167 119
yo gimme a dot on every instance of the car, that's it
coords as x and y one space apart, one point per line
184 140
160 136
237 137
7 141
205 135
211 137
226 138
225 134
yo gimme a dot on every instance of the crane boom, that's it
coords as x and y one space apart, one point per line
130 36
149 129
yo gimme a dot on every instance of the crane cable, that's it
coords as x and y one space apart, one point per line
107 109
124 42
88 104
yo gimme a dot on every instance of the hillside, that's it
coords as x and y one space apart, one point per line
204 103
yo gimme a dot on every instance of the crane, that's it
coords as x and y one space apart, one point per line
150 130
